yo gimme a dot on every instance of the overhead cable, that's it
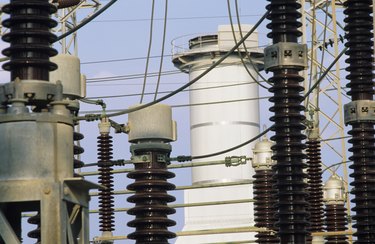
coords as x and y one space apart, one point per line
166 92
162 48
131 76
246 51
149 49
239 51
175 18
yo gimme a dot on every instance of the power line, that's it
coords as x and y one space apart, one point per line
244 144
187 90
192 104
131 77
162 48
239 52
235 147
247 53
149 49
139 75
175 18
166 92
121 60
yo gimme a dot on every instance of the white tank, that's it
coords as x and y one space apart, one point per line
233 120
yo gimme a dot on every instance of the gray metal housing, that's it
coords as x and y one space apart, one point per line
36 161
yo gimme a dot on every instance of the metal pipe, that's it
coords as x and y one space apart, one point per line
220 184
95 211
199 232
171 166
332 233
189 205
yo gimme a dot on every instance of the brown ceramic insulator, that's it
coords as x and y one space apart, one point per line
151 198
315 186
359 34
30 39
78 150
36 233
292 216
264 206
106 201
336 221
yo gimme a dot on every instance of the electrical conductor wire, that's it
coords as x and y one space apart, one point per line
162 49
149 50
238 50
247 53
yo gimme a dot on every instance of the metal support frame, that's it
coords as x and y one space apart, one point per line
330 92
68 20
63 209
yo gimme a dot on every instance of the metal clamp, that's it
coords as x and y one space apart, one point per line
360 110
140 159
235 161
32 90
285 55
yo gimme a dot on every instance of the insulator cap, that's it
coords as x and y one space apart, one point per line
152 123
69 73
104 126
262 155
334 191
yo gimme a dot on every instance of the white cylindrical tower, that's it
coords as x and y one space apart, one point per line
224 113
